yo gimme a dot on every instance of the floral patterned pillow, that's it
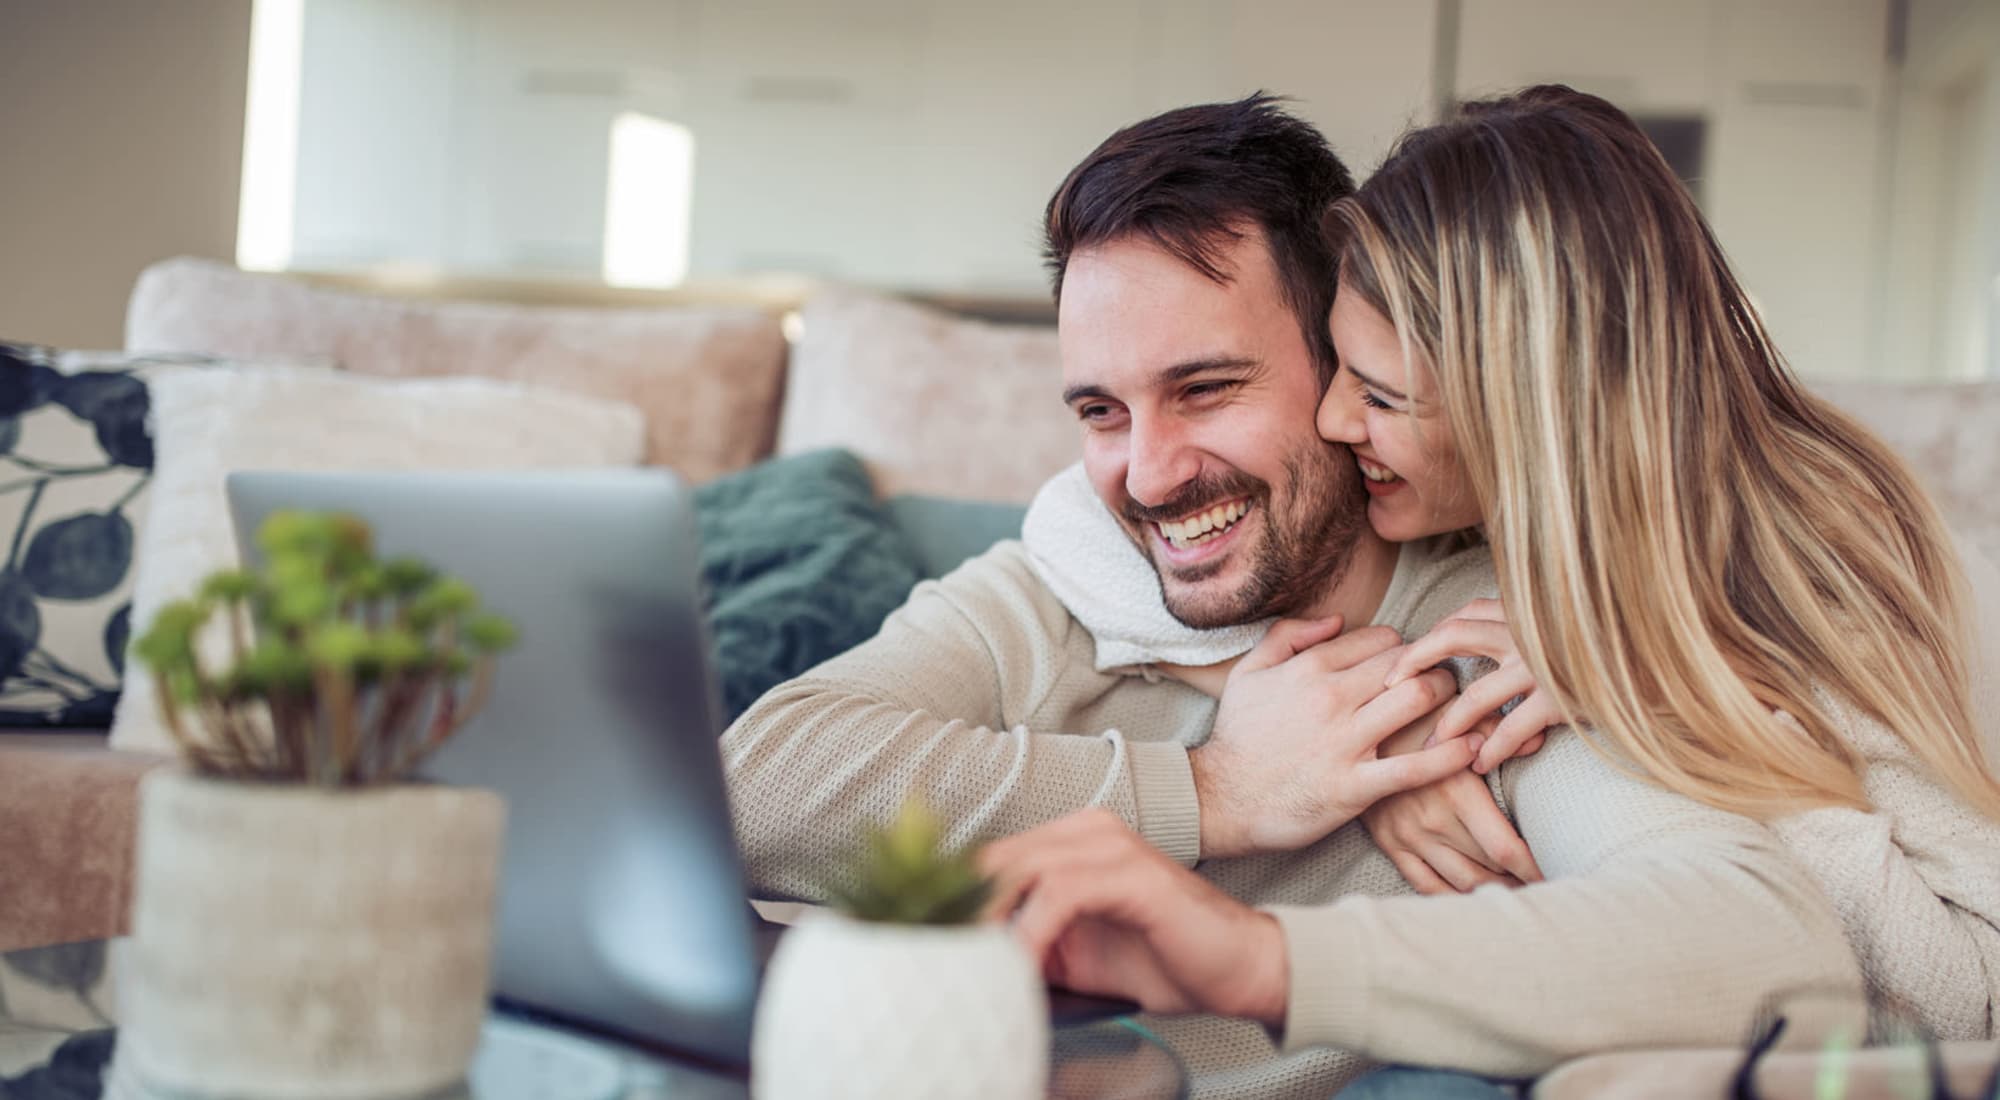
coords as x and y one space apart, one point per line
76 457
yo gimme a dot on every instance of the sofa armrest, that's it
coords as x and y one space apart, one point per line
68 811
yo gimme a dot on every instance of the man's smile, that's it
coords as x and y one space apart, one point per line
1200 534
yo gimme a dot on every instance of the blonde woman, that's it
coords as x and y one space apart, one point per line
1741 594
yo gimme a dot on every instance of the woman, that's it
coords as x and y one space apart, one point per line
1742 593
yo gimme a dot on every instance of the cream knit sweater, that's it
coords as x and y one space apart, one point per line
1664 922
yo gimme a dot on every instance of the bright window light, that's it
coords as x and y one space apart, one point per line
270 136
647 202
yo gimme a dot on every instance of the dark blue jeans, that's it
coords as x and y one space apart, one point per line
1417 1083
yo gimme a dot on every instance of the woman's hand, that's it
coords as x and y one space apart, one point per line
1449 836
1479 629
1101 911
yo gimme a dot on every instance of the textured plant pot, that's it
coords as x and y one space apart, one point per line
290 942
868 1011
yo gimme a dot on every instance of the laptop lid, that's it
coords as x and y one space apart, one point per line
621 901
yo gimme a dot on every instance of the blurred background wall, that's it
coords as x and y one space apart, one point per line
1847 151
121 141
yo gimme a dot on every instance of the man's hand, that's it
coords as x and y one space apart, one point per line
1102 911
1451 835
1293 753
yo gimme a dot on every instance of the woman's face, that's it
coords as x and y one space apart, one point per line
1387 413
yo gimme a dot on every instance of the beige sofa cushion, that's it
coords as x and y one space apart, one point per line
1950 433
932 403
708 379
211 421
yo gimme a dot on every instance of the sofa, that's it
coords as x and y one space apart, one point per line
943 405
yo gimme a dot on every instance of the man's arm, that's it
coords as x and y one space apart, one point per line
933 706
1664 922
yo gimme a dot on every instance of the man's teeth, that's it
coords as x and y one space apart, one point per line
1207 525
1375 473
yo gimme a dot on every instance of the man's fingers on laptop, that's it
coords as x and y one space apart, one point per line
1016 861
1286 639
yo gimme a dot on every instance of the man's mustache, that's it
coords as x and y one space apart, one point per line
1198 495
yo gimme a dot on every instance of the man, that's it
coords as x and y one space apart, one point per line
1193 289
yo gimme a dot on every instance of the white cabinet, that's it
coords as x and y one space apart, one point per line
1791 94
906 143
375 156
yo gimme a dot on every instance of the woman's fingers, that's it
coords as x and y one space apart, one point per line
1464 874
1482 697
1482 609
1453 638
1419 874
1524 723
1502 847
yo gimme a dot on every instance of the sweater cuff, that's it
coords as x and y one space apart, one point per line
1327 1004
1169 811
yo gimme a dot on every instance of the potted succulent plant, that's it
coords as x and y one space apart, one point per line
307 920
902 991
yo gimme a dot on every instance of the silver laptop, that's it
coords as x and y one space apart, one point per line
622 904
622 900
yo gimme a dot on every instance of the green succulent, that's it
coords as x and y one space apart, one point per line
904 875
345 671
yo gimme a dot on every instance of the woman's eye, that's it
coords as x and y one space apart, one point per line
1369 399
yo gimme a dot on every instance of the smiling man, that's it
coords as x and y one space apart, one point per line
1193 289
1193 395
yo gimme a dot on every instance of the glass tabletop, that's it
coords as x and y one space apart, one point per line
1117 1059
57 1036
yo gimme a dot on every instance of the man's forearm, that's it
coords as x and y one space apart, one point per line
813 762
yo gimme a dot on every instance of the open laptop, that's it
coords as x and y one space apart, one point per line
622 896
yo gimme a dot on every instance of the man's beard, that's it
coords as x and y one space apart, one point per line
1301 555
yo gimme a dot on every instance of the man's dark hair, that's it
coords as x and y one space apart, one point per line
1190 180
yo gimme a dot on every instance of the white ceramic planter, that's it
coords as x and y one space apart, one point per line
868 1011
303 944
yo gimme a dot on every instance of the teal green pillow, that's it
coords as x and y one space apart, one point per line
801 563
944 531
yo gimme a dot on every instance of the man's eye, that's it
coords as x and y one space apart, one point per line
1207 389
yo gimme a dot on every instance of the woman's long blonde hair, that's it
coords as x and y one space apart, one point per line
1686 539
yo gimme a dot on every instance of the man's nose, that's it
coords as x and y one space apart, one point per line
1339 419
1162 460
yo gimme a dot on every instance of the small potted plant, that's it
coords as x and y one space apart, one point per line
307 920
902 991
